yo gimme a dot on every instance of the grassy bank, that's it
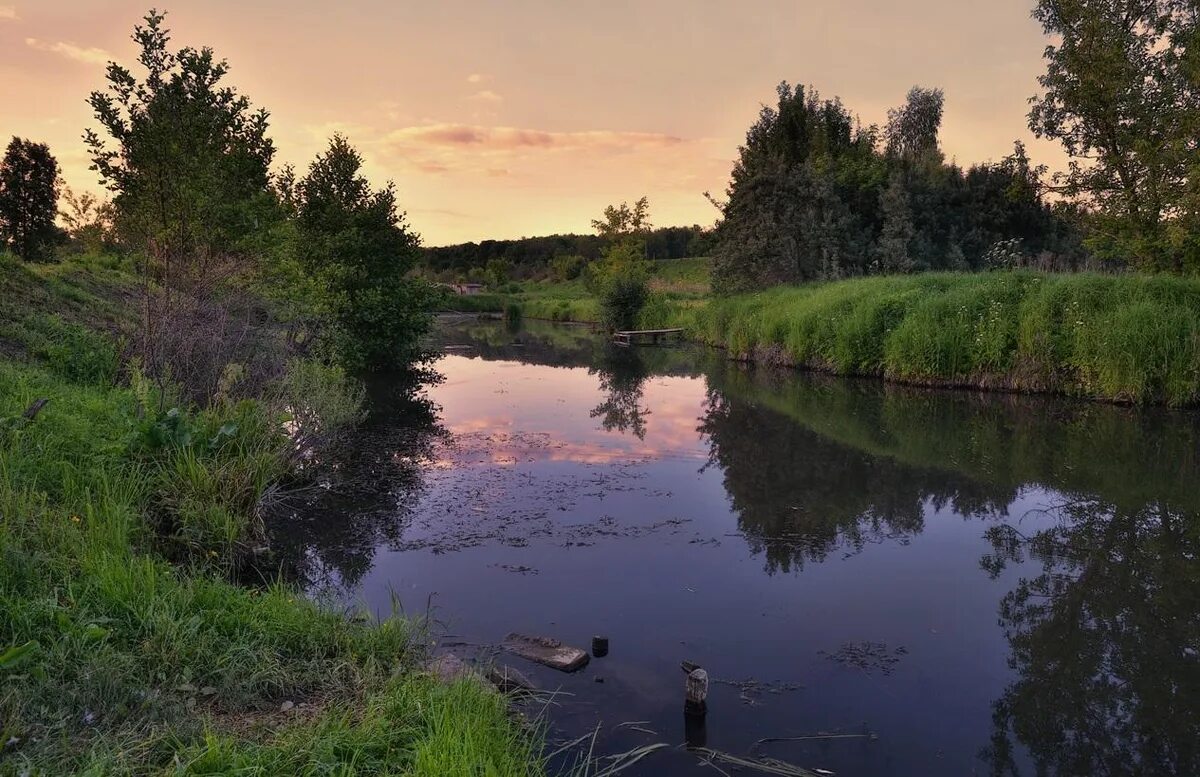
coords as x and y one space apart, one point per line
124 647
1125 338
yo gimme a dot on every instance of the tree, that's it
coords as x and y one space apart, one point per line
1121 92
894 242
804 197
622 220
355 240
913 128
186 157
621 277
28 199
88 219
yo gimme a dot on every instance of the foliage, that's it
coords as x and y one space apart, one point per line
621 278
912 130
1121 93
89 221
28 199
322 401
186 156
536 257
356 242
812 197
1123 338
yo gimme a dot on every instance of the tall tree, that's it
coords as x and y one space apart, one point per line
28 199
354 239
912 129
1122 93
186 156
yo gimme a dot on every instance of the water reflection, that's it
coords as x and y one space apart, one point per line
1036 557
365 492
622 374
1105 642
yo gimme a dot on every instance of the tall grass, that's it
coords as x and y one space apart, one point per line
1128 338
121 662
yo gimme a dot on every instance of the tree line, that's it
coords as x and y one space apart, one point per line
562 257
815 194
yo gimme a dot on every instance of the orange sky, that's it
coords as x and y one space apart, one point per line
527 117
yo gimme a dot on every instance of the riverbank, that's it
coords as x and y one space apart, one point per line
125 645
1123 338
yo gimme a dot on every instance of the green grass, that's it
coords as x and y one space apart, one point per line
1128 338
134 662
124 647
675 283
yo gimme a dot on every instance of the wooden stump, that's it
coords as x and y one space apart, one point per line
696 702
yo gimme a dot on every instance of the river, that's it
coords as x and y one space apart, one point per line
920 582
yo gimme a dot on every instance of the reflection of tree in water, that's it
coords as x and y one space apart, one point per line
1106 644
622 375
329 533
800 497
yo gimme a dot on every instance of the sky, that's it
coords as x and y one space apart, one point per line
526 117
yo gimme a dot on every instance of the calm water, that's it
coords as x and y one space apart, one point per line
972 584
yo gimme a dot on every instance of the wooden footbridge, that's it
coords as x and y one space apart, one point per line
646 336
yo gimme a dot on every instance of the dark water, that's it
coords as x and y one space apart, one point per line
968 584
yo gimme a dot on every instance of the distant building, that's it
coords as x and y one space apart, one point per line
467 289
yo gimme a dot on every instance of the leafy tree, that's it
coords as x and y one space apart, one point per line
622 220
898 232
355 240
622 276
497 271
186 156
913 128
804 196
89 220
813 196
28 199
1121 92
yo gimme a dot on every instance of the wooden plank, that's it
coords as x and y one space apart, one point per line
545 650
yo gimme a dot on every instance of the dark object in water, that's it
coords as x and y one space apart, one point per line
509 680
696 691
599 647
546 650
688 666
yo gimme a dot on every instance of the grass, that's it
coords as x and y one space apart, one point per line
124 646
1128 338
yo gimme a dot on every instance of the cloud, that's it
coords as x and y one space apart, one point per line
471 136
8 12
487 96
90 56
476 78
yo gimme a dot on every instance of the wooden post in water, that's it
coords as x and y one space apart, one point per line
697 692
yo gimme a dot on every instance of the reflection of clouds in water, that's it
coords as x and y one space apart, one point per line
673 410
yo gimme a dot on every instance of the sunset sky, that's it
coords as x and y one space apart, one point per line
527 117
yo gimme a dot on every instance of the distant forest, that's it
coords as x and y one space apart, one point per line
561 255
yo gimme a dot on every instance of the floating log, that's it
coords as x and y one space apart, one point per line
546 650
